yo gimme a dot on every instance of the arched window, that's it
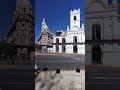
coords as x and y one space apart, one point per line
96 32
26 9
96 54
63 48
23 10
75 49
75 18
57 40
23 25
63 40
57 48
74 39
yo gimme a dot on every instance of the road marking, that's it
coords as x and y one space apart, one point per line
55 61
47 57
76 58
104 78
103 83
49 54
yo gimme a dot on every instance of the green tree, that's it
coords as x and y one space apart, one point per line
37 46
7 50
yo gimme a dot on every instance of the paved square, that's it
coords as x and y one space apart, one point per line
66 80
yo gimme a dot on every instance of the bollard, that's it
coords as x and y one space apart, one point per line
58 70
45 69
78 70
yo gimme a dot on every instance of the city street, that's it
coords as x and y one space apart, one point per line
62 61
17 78
102 78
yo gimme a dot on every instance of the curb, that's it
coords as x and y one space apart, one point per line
7 66
13 67
103 66
61 54
65 53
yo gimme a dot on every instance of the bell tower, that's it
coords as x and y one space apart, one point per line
75 19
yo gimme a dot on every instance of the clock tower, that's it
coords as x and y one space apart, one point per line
75 19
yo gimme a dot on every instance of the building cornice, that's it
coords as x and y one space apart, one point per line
105 6
112 41
68 43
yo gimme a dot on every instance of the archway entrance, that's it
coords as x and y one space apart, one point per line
57 40
74 39
57 48
63 48
96 54
63 40
75 49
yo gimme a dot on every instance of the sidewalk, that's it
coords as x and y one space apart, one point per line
7 66
66 80
56 53
101 66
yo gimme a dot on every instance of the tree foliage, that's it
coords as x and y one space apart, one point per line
7 49
37 46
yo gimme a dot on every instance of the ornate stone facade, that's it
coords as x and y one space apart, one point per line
46 38
21 30
102 33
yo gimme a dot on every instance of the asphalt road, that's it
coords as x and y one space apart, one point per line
17 79
62 61
102 78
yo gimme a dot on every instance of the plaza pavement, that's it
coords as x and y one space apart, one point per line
66 80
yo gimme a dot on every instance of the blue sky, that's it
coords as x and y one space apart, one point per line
56 13
7 8
6 15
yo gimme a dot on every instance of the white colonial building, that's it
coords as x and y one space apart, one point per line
102 33
73 39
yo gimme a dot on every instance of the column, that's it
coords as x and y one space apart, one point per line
54 48
81 49
60 48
